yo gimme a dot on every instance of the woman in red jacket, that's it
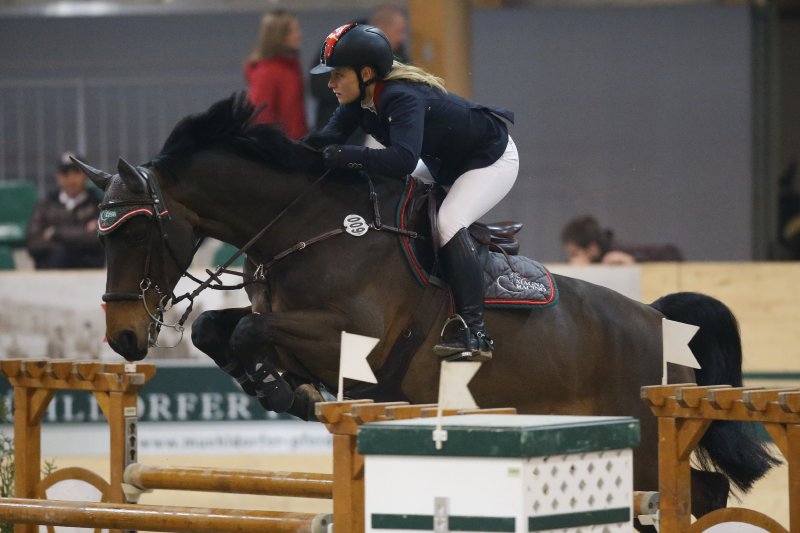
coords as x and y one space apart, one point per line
273 73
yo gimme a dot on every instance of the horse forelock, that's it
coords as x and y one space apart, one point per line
228 125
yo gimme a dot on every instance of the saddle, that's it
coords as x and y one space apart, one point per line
418 213
497 235
511 280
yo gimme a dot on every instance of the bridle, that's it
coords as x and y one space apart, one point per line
153 206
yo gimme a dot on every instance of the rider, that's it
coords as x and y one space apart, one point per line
428 133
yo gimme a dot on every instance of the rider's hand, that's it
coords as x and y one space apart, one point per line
343 156
332 155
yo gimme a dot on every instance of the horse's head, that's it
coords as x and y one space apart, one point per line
148 248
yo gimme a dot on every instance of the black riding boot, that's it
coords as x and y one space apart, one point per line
463 271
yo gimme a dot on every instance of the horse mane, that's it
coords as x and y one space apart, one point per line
229 124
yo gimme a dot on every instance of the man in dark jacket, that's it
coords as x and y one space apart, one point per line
62 230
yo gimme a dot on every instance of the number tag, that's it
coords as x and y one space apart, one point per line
355 225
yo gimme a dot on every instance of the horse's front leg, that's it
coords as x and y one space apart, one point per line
304 344
211 334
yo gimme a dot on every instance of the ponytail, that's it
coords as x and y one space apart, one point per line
401 71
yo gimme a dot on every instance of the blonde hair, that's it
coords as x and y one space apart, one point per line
401 71
275 27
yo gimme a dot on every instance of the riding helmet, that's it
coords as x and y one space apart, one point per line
355 45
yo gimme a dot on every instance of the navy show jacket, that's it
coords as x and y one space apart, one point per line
416 121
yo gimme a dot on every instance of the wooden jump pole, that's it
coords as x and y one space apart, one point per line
152 517
684 413
230 480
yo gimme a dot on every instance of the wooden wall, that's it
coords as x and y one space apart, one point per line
764 296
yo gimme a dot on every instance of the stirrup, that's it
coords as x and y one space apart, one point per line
463 351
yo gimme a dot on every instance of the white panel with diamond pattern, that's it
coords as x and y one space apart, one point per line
566 484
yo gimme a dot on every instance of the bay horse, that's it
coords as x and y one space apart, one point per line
219 175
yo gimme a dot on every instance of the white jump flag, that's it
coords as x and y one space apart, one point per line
454 392
353 360
676 337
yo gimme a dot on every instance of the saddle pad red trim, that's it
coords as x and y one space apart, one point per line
419 272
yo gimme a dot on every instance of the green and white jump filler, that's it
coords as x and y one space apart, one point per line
516 473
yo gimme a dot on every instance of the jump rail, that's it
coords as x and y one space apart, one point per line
116 388
152 517
684 413
230 480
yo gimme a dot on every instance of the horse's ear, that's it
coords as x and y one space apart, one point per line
98 177
131 177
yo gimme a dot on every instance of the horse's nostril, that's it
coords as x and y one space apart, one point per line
127 339
125 344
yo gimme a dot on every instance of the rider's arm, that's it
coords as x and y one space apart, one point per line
343 122
406 116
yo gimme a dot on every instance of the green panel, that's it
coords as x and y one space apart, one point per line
6 258
175 394
17 200
455 523
610 433
588 518
771 376
402 521
481 523
225 252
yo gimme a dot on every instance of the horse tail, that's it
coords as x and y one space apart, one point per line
732 448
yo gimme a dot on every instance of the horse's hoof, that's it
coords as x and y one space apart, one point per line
305 398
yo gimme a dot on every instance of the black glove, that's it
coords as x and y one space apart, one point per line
332 156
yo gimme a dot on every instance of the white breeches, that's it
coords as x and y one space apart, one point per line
475 192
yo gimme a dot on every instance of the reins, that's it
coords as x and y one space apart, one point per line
213 281
258 275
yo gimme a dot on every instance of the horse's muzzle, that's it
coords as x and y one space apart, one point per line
127 344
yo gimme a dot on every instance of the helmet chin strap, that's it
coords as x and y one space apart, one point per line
362 85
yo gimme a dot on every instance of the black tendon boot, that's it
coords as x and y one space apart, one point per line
463 271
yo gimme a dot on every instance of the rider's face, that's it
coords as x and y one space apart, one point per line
344 84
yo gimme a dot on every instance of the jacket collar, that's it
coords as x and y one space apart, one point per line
372 105
376 97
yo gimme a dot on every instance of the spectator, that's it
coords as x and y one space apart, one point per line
789 215
273 73
393 22
586 242
62 230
